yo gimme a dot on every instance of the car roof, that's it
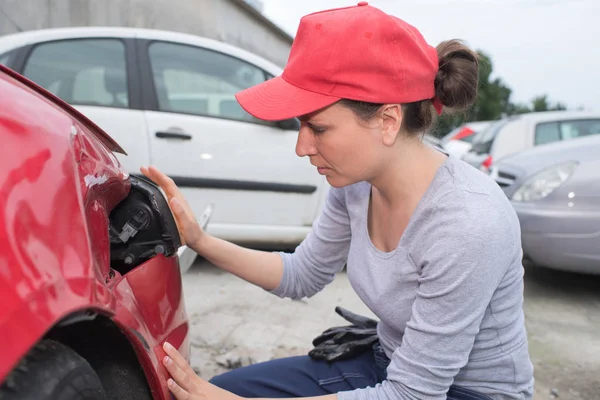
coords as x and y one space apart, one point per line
492 131
16 40
581 149
547 116
475 125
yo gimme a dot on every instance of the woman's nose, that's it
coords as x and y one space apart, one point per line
305 146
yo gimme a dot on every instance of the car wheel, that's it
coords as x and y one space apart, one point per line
52 371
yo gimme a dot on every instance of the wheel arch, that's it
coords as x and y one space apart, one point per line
105 346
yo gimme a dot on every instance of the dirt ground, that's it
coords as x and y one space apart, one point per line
235 323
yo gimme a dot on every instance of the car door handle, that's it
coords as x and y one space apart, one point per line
173 135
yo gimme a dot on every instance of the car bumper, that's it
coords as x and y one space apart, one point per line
186 256
457 148
560 239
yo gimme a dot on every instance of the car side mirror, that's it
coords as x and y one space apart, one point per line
292 124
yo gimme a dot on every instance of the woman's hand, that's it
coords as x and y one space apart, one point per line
185 384
189 230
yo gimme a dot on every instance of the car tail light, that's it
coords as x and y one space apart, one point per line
486 164
142 226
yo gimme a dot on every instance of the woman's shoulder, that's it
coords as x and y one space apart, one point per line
468 221
467 203
466 187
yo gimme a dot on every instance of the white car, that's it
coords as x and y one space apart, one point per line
521 132
168 99
458 142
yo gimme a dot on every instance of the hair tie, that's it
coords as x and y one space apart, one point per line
437 104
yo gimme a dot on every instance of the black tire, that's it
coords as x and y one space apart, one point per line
52 371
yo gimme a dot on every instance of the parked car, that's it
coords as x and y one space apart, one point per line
434 142
89 268
168 99
521 132
555 190
458 141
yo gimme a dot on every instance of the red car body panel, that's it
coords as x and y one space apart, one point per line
59 180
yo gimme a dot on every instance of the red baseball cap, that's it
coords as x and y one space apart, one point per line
358 53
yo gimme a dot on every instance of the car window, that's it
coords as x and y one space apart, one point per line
5 58
578 128
82 71
483 140
547 132
193 80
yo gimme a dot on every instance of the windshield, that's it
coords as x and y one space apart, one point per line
482 141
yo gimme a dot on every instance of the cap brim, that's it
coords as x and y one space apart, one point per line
277 100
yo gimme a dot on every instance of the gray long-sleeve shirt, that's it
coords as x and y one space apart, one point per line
449 297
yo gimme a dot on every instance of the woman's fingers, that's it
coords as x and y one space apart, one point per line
161 180
167 184
185 384
180 219
188 227
179 375
178 391
178 359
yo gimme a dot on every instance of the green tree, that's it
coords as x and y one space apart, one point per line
517 108
538 104
494 95
541 103
493 101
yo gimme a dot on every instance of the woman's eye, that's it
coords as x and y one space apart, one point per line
318 130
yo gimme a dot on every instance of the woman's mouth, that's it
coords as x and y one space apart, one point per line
322 170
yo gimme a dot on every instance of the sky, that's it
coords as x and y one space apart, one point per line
537 46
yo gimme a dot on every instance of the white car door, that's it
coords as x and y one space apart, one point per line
92 75
216 152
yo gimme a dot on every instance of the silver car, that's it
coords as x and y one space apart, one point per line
518 133
555 190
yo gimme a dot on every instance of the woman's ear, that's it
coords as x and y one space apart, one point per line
392 121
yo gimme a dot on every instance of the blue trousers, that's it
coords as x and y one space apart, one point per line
301 376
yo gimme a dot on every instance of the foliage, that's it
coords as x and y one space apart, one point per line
493 102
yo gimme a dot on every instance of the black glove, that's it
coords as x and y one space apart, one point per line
344 342
355 319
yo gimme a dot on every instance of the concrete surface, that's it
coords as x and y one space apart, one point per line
562 314
235 323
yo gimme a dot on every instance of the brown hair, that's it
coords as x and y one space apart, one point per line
456 86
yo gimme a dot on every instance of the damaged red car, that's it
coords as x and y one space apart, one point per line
90 259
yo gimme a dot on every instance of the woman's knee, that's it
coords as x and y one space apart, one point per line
299 377
267 379
232 381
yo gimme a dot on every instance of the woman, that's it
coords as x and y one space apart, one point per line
432 245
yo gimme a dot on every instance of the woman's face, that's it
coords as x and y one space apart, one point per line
343 148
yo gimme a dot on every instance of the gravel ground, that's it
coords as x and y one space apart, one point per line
235 323
563 321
